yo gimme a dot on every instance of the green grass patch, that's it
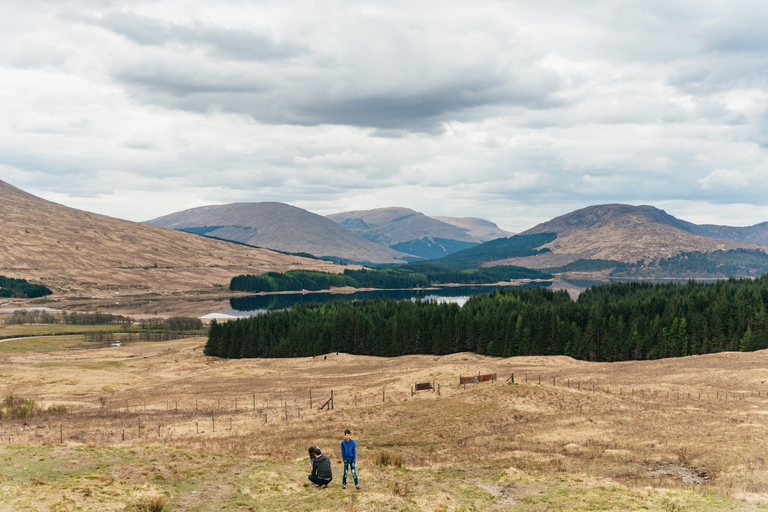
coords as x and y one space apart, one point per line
42 329
43 343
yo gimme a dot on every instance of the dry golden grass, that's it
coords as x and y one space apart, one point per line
491 446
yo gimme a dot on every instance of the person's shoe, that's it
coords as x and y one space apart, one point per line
357 487
324 486
343 486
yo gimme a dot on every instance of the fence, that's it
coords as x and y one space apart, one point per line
126 420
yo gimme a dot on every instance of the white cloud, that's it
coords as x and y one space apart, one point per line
724 179
512 111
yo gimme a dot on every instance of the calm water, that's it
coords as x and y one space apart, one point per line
256 304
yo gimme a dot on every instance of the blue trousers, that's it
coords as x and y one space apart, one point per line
351 465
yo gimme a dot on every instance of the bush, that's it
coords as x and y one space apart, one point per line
150 504
17 407
13 407
389 459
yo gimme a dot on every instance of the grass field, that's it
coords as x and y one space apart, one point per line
653 435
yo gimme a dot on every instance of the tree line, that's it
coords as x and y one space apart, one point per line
407 276
615 322
20 288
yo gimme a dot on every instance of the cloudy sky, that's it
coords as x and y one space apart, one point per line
514 111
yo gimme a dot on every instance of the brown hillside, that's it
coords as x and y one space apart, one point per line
281 227
42 240
480 229
390 226
618 232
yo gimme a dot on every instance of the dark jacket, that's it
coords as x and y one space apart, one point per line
321 467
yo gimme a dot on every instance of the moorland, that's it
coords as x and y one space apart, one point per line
148 424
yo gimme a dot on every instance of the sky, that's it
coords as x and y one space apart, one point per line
512 111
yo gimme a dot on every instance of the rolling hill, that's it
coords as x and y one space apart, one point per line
480 229
414 233
281 227
73 250
619 232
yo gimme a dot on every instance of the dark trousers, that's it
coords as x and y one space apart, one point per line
319 481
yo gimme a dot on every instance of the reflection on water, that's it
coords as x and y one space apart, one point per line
255 304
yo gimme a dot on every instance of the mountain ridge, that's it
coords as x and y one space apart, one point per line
282 227
79 250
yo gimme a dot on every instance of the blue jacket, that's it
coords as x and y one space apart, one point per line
348 451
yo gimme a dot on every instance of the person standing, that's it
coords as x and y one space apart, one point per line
321 469
349 456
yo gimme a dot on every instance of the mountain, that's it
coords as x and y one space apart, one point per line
413 232
70 249
480 229
757 234
281 227
617 232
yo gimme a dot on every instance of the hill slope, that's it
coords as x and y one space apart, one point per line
618 232
80 250
480 229
281 227
413 232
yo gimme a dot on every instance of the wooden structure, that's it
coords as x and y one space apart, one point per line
424 386
477 378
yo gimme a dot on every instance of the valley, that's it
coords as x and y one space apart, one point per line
673 434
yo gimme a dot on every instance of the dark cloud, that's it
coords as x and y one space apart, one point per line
274 95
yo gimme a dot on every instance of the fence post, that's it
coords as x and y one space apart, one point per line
331 399
382 394
197 427
265 418
553 381
411 390
123 434
61 434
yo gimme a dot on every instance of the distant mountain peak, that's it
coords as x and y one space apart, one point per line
282 227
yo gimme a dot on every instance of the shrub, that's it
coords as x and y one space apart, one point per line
389 459
150 504
17 407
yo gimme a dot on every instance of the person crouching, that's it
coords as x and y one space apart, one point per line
321 469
